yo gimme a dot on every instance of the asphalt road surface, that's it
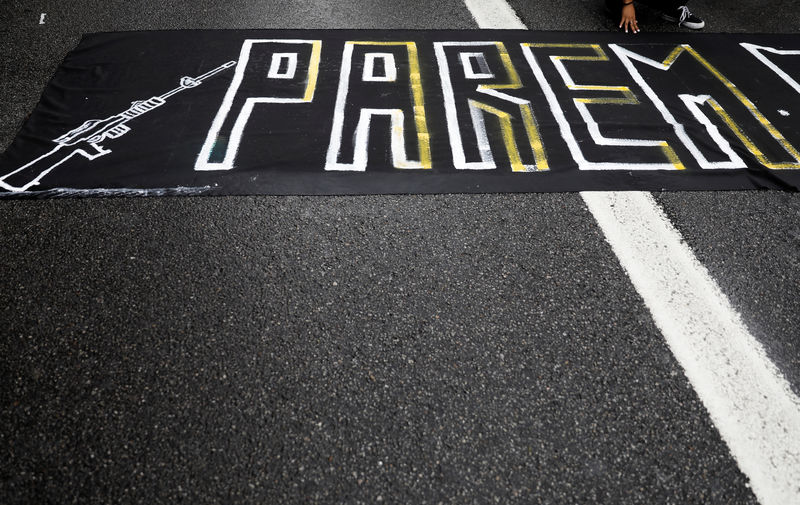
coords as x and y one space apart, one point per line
395 349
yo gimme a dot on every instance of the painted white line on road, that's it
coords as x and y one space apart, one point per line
747 398
494 15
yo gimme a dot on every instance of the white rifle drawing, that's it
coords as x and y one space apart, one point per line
85 140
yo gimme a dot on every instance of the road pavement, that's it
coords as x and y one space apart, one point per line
395 349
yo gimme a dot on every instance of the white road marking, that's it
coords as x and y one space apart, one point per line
41 17
747 398
494 15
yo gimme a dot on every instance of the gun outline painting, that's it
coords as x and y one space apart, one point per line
86 139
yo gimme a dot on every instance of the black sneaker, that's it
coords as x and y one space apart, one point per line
683 17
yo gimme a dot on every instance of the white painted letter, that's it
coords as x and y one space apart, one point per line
379 92
275 61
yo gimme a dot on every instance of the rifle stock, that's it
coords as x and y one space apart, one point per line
27 176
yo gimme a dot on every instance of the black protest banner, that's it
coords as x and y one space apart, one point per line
359 112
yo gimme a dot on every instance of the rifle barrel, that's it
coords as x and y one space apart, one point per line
214 71
199 79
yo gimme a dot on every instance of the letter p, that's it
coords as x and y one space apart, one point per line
286 68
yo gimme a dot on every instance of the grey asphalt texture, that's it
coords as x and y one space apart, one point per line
396 349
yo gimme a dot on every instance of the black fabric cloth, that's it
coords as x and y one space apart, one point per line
325 112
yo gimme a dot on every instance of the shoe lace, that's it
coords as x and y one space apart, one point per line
684 14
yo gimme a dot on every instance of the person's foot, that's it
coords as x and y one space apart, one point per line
683 17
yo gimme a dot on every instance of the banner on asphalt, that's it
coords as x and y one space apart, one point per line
361 112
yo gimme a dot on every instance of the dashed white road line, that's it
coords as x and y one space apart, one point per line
748 399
